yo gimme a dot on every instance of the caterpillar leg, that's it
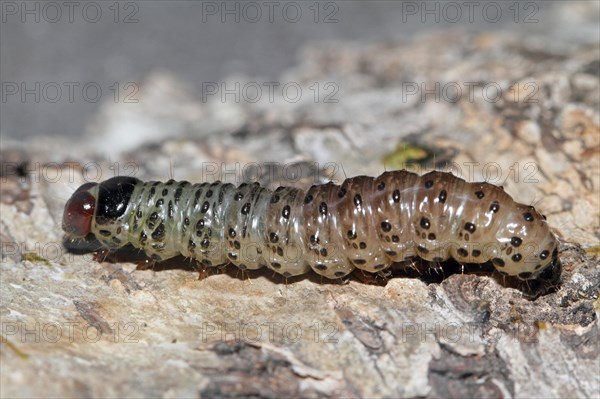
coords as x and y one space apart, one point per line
146 264
104 255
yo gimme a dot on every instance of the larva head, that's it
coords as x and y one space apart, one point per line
79 211
527 246
97 204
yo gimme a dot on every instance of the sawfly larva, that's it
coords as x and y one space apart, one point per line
366 223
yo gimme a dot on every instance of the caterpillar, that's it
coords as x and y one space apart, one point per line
367 223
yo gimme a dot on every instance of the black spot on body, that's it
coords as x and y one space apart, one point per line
462 252
339 274
205 207
431 237
386 226
425 223
286 212
479 194
381 186
516 241
362 245
246 208
165 191
308 199
159 232
205 243
396 196
443 195
320 266
351 235
429 184
276 265
470 227
152 219
517 257
422 249
357 200
495 206
232 233
178 193
273 237
528 216
544 254
209 193
323 252
323 209
274 199
476 253
238 196
342 193
359 261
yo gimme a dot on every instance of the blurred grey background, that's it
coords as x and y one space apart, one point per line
50 44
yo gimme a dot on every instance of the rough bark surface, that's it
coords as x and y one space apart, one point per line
75 327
